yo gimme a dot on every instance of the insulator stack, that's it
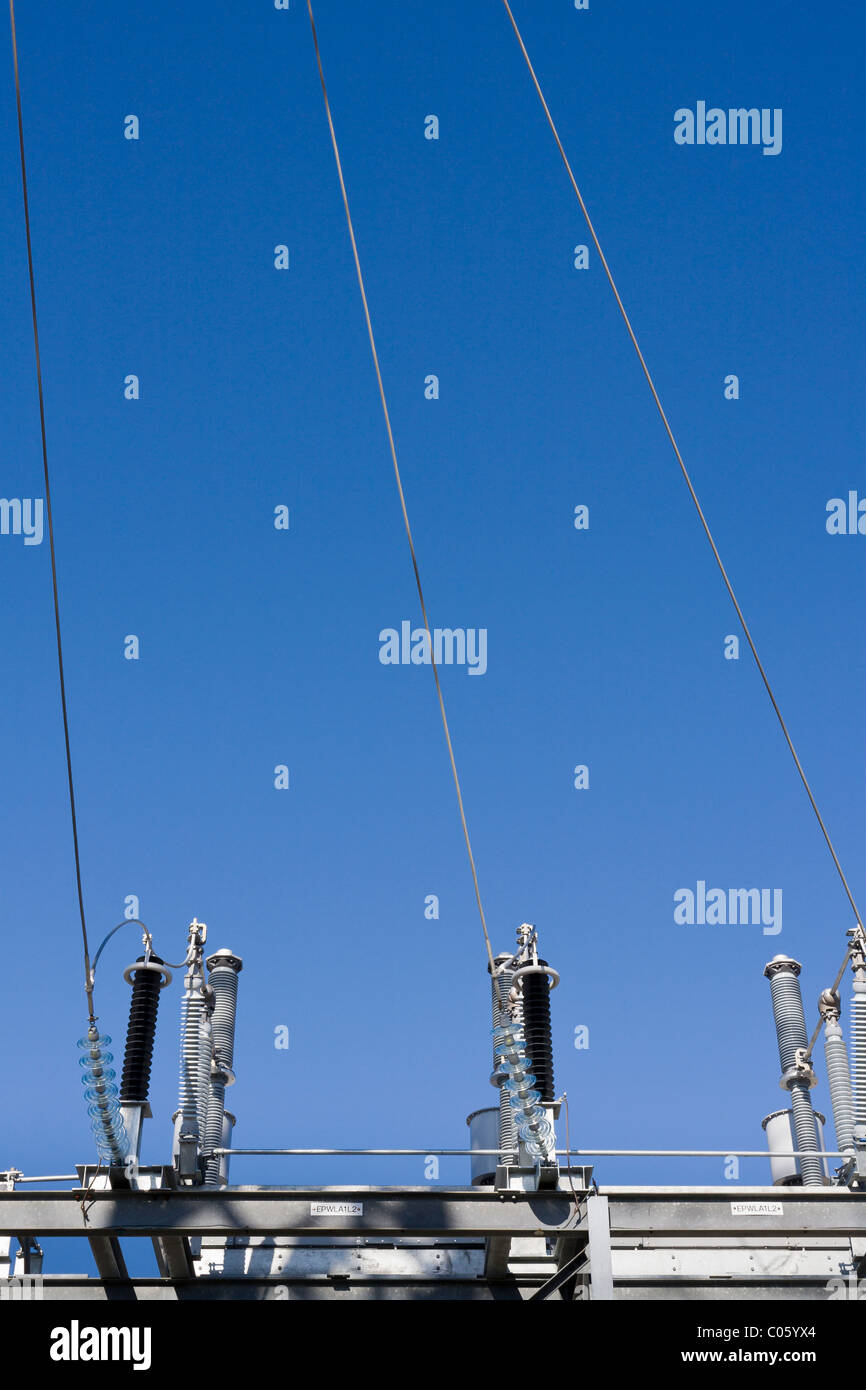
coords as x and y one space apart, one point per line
143 1008
100 1091
501 986
536 1027
533 1126
783 974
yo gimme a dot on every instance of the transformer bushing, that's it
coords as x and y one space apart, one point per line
147 978
858 1046
838 1072
224 967
797 1076
536 1027
195 1053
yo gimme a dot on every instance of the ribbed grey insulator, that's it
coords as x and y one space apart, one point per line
858 1053
214 1132
189 1097
839 1078
789 1016
507 1127
223 981
205 1053
806 1132
791 1035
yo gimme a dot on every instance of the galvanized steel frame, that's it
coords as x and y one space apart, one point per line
578 1240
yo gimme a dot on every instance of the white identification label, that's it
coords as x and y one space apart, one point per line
757 1209
336 1208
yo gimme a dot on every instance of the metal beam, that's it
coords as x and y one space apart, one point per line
498 1249
264 1260
63 1288
736 1212
462 1212
288 1211
173 1257
109 1258
562 1276
645 1263
600 1265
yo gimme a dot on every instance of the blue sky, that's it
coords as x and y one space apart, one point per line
259 647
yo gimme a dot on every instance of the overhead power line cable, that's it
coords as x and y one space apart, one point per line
88 981
679 457
393 449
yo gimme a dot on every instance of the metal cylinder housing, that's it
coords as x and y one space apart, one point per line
781 1142
483 1134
